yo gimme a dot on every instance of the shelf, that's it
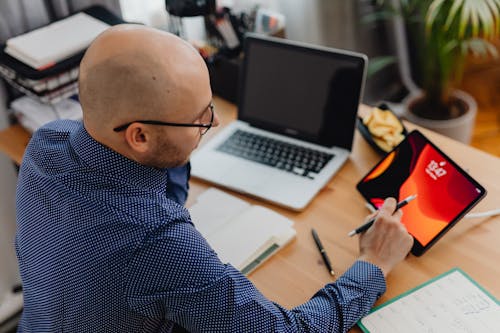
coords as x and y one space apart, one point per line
56 82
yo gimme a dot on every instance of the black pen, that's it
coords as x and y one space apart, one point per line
323 252
368 224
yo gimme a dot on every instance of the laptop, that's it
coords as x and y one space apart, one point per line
296 117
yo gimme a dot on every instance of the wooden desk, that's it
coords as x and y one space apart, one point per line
13 141
293 275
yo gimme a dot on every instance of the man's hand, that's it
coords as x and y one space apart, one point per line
386 242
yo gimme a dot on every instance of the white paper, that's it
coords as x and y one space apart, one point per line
236 230
56 41
32 114
452 303
214 209
248 235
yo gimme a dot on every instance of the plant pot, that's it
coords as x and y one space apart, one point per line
459 128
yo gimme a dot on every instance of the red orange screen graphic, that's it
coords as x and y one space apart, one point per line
443 192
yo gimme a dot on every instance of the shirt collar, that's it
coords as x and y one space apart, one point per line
98 157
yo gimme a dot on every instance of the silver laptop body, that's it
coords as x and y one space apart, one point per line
296 117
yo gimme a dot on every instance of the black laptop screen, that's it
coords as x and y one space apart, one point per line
302 91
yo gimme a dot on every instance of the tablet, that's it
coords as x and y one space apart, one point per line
445 192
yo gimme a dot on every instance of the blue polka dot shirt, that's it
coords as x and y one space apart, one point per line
105 245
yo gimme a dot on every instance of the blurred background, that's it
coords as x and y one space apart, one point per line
342 24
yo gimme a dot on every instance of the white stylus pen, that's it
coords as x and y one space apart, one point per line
368 224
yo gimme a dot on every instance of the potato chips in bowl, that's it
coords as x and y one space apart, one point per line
382 129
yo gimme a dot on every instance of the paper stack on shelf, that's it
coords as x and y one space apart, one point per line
63 42
33 114
44 47
51 89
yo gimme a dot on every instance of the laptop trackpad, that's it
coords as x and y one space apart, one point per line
248 177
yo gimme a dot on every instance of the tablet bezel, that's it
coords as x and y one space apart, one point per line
418 249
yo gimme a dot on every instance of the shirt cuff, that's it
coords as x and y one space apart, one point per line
368 276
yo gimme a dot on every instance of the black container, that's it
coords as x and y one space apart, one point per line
363 129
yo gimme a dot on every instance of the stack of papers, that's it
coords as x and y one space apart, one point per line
32 114
44 47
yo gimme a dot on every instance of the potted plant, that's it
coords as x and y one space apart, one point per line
436 37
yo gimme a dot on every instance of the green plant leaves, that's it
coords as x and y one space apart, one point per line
479 47
376 64
433 11
441 34
453 11
381 15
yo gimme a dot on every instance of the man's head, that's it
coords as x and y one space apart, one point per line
132 73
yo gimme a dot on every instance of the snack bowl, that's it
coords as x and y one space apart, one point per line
375 142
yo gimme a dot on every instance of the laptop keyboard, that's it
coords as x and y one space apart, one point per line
298 160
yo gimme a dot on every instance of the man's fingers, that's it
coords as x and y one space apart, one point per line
398 214
388 207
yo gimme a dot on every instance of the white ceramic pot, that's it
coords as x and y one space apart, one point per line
459 128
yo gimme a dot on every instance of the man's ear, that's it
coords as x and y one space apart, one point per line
138 137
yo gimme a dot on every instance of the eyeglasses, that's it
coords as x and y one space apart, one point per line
204 127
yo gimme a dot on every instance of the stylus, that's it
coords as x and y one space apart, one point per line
488 213
368 224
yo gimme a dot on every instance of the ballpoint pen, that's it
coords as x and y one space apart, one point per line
368 224
323 252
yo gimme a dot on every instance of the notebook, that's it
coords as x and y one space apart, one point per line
451 302
243 235
43 47
296 115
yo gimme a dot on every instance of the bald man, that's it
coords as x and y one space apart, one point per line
104 242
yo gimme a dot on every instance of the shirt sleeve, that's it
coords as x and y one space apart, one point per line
176 276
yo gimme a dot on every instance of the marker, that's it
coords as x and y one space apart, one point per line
323 252
368 224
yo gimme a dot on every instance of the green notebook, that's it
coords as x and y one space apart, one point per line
451 302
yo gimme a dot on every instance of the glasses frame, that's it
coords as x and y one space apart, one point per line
203 127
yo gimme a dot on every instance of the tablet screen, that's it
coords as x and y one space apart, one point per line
444 191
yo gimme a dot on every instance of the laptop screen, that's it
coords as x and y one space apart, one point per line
303 91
